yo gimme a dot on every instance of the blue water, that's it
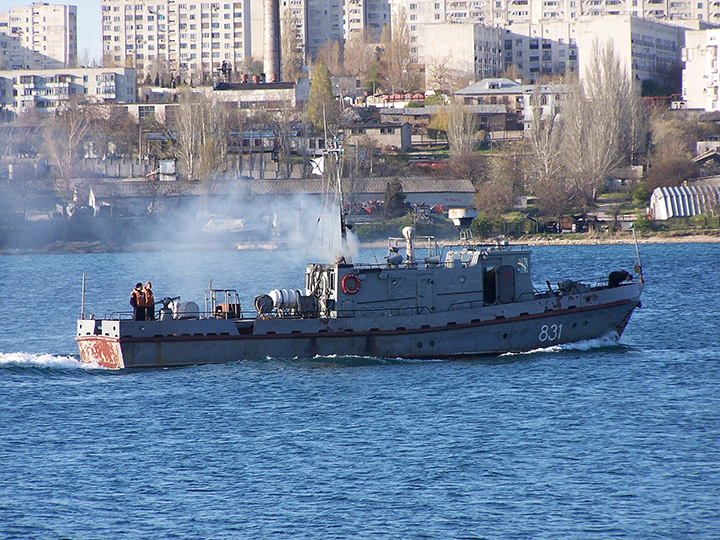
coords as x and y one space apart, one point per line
599 440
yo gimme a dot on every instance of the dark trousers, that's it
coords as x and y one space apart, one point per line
138 313
150 315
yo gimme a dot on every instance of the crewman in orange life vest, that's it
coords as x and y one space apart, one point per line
137 301
149 302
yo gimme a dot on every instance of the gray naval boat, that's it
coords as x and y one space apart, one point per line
473 300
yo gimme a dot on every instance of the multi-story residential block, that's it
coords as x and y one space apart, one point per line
318 22
469 48
46 90
366 16
647 49
543 36
503 12
193 37
39 36
701 76
547 47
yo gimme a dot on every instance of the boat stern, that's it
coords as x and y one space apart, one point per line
98 345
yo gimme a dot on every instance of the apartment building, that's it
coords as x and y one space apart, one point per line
503 12
39 36
534 49
317 22
190 37
647 49
48 89
701 76
366 16
467 48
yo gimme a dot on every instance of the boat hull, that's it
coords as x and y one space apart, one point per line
467 333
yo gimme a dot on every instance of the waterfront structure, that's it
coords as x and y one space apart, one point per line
39 36
46 90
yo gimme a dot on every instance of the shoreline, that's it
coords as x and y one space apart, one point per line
556 240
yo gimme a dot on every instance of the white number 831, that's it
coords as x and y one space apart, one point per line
550 333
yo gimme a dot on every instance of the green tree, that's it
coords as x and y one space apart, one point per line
374 80
321 99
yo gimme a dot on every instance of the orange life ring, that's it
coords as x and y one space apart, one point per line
350 284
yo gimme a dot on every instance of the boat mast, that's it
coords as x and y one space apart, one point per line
333 147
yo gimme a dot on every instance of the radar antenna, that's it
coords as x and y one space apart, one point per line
462 218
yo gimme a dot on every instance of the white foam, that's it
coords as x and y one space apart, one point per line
380 359
39 360
607 340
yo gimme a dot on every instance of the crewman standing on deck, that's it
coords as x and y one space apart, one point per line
149 302
137 301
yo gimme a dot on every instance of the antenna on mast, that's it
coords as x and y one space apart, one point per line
333 147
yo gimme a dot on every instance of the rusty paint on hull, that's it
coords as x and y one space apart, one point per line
106 352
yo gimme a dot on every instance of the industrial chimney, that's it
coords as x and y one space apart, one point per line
271 56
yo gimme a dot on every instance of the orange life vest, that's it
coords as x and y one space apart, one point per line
139 297
149 297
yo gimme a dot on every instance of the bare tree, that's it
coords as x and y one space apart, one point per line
201 139
396 56
283 125
331 55
674 135
494 197
112 131
442 74
361 153
462 130
64 143
598 123
359 55
290 49
544 158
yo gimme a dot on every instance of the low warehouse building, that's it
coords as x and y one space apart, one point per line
684 201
